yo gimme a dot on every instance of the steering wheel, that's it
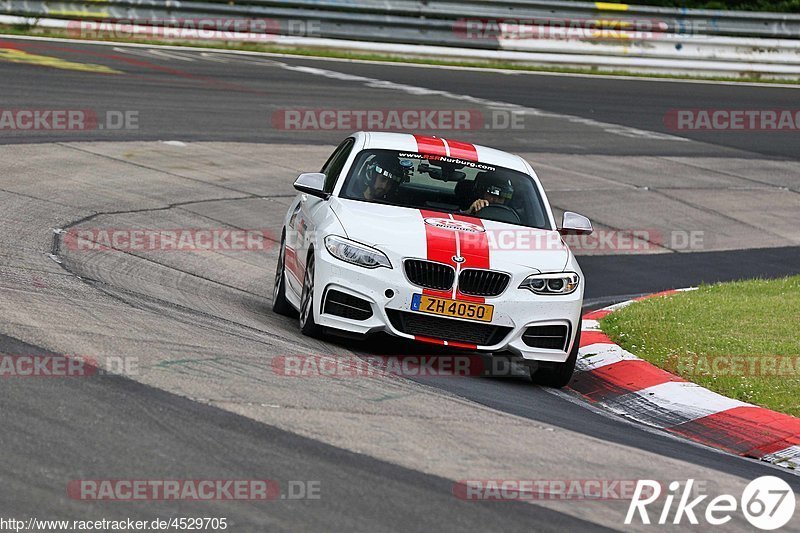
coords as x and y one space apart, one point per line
499 213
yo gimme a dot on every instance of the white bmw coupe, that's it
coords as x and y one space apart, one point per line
437 241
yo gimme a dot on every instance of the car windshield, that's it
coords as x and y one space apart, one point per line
447 184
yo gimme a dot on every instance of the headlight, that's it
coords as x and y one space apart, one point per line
355 253
560 283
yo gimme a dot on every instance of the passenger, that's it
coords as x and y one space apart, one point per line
490 190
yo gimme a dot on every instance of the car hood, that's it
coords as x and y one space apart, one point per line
403 232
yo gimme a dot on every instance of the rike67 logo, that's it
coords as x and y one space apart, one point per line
767 503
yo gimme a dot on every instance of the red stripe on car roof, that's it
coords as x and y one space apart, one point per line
462 150
430 145
438 146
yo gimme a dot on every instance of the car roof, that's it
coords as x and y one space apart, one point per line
452 147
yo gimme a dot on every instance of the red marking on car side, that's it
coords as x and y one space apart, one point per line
293 265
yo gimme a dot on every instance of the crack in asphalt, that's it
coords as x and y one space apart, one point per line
31 197
110 289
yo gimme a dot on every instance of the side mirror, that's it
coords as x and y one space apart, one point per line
575 224
312 183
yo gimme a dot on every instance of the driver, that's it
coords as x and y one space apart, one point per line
491 190
383 174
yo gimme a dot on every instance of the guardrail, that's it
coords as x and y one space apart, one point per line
603 36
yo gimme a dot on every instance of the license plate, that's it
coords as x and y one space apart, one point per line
454 308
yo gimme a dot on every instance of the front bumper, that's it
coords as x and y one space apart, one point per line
514 311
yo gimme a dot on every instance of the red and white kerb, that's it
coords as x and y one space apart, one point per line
617 379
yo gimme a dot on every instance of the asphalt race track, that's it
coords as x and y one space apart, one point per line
204 401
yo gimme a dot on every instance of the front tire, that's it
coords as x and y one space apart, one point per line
558 375
280 304
307 325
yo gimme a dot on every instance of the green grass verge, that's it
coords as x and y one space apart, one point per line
740 339
343 54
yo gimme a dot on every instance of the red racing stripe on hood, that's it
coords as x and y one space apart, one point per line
444 245
475 251
441 247
474 246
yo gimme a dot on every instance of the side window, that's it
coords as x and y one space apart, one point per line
333 167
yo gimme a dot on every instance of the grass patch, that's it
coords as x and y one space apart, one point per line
740 339
38 31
